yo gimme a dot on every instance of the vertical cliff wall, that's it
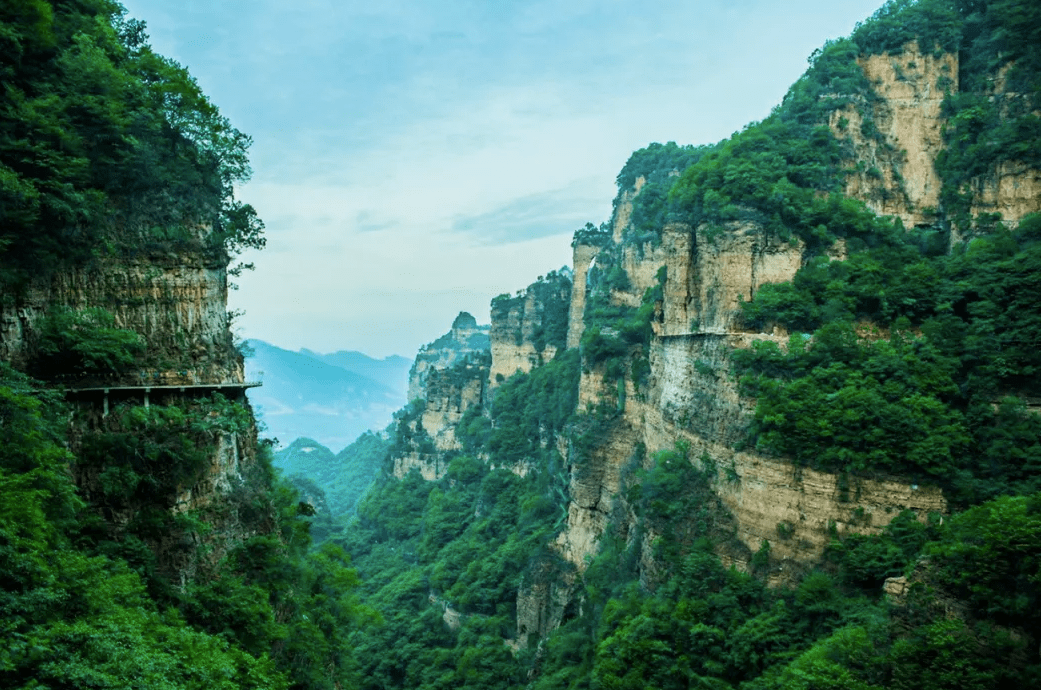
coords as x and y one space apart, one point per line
531 327
894 148
463 339
692 397
583 255
431 427
177 304
665 303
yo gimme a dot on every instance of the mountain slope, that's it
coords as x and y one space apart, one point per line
796 403
311 396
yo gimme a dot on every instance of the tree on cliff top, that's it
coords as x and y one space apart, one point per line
107 147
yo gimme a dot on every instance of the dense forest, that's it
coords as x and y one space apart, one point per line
913 354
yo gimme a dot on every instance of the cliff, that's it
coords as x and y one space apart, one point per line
431 424
464 338
657 313
175 305
531 327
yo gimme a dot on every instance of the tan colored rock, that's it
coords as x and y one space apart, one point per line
710 271
449 394
908 116
178 305
463 339
541 602
519 341
624 210
895 589
430 466
583 256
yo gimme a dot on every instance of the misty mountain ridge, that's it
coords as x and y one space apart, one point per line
331 398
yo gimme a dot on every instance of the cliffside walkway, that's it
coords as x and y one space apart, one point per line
236 388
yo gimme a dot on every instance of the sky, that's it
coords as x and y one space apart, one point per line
413 159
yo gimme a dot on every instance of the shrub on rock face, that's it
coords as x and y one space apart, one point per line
75 345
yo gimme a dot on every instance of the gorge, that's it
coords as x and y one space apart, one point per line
775 427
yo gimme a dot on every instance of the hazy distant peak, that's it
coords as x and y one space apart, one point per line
464 320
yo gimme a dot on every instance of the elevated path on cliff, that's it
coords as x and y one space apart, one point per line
145 391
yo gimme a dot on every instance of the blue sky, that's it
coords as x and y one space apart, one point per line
413 159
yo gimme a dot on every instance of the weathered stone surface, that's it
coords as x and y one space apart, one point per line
582 257
464 338
523 332
895 174
541 602
178 305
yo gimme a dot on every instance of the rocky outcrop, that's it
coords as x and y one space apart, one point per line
623 211
542 601
177 304
530 328
710 271
431 466
692 397
449 394
464 338
583 256
895 152
1014 191
896 137
449 377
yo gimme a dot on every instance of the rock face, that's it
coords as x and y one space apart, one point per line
895 174
449 377
583 257
532 327
690 395
177 304
895 171
464 338
448 394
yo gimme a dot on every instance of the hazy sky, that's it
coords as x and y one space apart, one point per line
413 159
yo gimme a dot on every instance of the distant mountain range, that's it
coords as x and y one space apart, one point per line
331 398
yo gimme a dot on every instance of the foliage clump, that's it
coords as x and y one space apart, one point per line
107 146
79 346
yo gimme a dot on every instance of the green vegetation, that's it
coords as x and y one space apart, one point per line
73 615
907 358
551 297
89 601
83 346
940 398
107 147
342 479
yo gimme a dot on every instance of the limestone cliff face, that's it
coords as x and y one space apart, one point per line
690 394
895 172
449 377
624 209
583 256
464 338
1012 188
448 394
177 304
532 327
692 397
895 153
710 270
